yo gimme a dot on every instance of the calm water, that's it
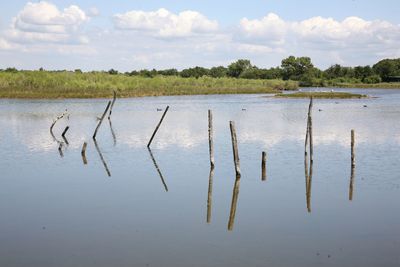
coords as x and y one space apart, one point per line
56 211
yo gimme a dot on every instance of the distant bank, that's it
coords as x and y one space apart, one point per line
67 84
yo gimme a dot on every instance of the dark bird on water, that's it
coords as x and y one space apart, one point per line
364 106
319 109
243 109
159 109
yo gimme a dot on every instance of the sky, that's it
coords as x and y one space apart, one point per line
133 35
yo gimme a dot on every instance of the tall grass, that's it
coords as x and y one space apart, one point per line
43 84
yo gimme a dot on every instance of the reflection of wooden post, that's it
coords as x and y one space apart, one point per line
102 158
308 141
263 168
158 126
210 137
209 198
60 149
310 133
112 104
83 153
112 132
235 196
353 164
351 187
235 148
158 169
101 119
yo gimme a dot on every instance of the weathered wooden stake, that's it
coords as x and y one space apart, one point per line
210 137
112 104
263 166
101 120
158 126
235 148
55 121
209 197
310 131
83 153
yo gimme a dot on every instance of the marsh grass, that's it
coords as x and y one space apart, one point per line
44 84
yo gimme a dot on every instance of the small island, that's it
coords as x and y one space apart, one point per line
326 95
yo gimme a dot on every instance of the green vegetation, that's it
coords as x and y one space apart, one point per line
237 78
63 84
328 95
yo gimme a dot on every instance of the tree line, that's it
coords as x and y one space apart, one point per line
299 69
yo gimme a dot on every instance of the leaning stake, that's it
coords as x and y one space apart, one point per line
158 126
101 120
235 148
112 104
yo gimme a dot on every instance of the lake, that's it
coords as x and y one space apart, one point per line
129 206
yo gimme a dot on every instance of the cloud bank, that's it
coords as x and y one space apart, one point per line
137 39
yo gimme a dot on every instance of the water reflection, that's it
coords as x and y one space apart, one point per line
102 158
158 169
235 196
209 196
112 131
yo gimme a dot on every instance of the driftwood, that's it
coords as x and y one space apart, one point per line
63 135
101 120
158 170
158 126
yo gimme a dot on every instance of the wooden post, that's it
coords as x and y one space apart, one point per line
235 148
263 166
112 104
210 137
101 120
55 121
209 197
83 153
65 131
158 126
310 132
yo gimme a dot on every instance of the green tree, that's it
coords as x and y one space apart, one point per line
236 68
294 68
387 68
218 72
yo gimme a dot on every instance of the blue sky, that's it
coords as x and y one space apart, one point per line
129 35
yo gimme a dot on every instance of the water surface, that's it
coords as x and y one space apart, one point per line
152 209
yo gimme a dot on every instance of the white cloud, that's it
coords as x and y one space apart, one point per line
163 23
269 30
44 22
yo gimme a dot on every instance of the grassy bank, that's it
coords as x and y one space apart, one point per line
327 95
369 85
42 84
